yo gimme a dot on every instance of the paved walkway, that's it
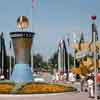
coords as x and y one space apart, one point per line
59 96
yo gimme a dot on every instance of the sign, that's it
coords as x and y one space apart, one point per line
82 54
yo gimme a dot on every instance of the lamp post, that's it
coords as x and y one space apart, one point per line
94 60
94 54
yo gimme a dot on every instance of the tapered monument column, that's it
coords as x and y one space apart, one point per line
22 42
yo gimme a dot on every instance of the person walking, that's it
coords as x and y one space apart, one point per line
98 83
72 77
90 83
82 83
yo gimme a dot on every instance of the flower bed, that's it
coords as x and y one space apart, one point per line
6 88
31 88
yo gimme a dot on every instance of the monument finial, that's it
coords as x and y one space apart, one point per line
22 22
93 17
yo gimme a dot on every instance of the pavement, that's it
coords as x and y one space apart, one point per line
58 96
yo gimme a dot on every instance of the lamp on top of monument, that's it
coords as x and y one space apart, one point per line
93 17
22 22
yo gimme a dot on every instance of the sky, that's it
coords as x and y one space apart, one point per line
51 20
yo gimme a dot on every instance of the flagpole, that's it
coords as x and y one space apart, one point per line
2 56
64 61
32 31
58 57
74 59
10 60
68 57
2 53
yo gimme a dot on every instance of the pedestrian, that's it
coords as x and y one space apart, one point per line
82 83
61 75
72 77
98 84
90 83
57 76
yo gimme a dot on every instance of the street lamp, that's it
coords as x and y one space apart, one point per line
94 53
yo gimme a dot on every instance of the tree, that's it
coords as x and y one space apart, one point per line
71 60
53 61
39 63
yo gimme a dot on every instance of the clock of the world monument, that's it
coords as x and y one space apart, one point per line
22 42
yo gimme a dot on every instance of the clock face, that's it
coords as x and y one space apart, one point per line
22 22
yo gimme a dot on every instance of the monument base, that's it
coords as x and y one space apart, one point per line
21 73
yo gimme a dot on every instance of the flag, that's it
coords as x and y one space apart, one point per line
33 3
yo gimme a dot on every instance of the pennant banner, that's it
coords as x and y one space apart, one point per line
33 3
